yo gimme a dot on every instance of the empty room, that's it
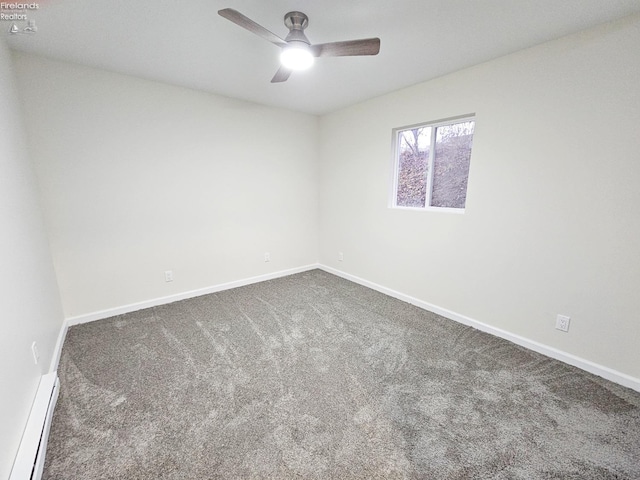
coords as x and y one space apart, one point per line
320 240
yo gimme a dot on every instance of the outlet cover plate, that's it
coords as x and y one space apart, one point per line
34 351
562 323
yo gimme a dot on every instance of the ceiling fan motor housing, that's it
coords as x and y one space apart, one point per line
296 22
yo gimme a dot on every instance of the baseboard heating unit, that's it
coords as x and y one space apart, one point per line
29 462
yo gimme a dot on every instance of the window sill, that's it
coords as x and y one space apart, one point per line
457 211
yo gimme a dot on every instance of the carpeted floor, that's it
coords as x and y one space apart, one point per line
312 376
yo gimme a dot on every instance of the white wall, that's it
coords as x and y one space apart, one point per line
29 304
141 177
551 224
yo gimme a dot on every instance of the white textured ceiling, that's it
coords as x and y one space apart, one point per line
187 43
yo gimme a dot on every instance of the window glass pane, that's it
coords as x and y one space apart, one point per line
451 164
413 161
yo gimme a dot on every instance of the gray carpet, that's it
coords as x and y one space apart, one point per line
312 376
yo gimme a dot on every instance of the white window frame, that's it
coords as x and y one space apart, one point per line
395 136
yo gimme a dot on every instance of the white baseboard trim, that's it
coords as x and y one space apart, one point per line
111 312
587 365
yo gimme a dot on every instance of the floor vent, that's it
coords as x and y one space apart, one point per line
30 459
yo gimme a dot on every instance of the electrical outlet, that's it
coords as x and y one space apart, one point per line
340 256
267 257
562 323
36 354
168 276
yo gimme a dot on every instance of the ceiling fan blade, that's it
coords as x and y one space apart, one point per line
365 46
245 22
281 75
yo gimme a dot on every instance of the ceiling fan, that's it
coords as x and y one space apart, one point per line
297 52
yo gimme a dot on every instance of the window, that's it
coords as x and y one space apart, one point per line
432 164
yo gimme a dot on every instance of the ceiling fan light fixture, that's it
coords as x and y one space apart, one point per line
297 52
296 56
